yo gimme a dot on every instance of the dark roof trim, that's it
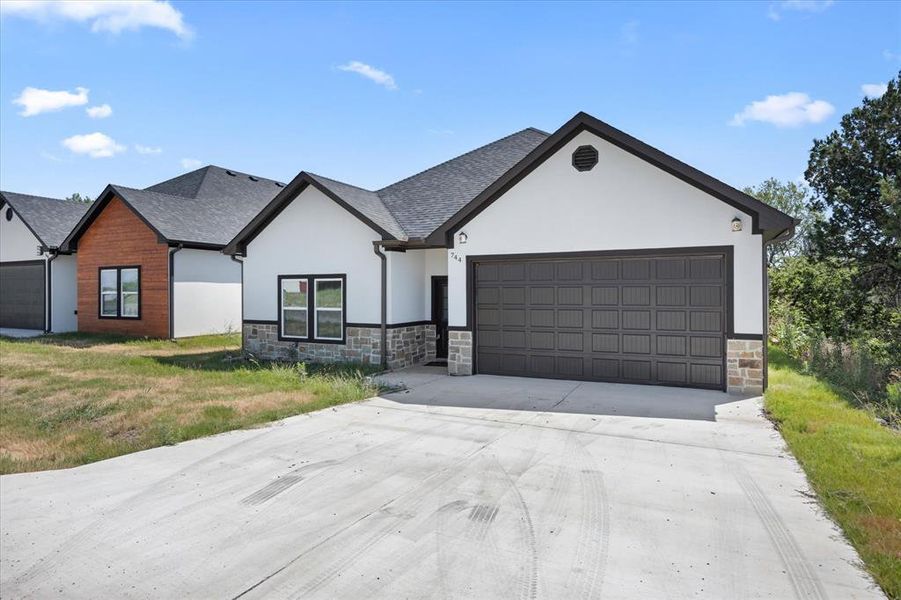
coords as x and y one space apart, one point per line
70 244
278 204
4 200
764 217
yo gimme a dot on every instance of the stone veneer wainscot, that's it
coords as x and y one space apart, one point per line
744 366
407 346
459 353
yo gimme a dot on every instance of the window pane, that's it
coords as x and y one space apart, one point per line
328 294
108 305
328 324
129 280
294 292
129 305
108 280
295 323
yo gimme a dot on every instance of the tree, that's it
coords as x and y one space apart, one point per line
792 199
855 173
76 197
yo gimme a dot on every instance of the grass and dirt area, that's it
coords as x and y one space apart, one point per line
852 461
72 399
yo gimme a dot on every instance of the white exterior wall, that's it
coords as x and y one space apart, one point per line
206 294
16 240
405 290
623 203
64 288
313 235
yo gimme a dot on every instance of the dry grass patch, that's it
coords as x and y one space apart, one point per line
70 400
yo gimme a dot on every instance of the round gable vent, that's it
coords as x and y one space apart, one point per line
585 158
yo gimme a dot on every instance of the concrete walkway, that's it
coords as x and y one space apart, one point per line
20 333
476 487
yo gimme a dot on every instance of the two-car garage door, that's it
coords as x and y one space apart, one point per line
22 295
640 318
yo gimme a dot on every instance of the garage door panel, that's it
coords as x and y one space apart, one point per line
570 318
22 295
653 319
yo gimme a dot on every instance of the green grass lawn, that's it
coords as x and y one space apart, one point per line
853 463
71 399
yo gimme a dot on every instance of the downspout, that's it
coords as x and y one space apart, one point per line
384 324
50 259
172 251
240 261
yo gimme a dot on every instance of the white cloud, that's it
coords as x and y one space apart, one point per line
377 75
803 6
36 101
148 149
189 164
99 112
788 110
114 16
95 145
874 90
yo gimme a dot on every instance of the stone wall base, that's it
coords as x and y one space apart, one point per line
744 366
407 346
459 353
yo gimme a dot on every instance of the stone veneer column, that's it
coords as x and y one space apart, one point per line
459 353
744 366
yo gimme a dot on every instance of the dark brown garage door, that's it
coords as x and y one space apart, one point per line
22 295
631 319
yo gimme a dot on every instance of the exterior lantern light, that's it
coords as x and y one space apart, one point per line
736 224
463 237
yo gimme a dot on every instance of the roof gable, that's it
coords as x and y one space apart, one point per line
765 219
49 219
204 208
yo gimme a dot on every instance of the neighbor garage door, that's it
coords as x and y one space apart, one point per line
22 295
651 319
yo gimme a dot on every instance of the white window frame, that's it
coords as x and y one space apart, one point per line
283 308
316 309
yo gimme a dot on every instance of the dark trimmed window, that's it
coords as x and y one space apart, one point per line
312 308
119 293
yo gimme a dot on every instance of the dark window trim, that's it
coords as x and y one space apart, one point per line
118 270
311 308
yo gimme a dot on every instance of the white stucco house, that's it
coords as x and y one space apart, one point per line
37 278
582 254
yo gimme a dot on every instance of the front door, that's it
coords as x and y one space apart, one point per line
439 314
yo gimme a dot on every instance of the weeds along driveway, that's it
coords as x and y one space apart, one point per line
478 487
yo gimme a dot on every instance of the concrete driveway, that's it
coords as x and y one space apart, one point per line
478 487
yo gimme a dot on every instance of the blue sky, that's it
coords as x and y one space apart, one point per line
370 93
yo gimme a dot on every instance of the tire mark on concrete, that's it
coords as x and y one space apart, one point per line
529 582
802 577
590 557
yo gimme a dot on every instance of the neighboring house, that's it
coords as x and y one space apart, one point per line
583 254
37 280
150 261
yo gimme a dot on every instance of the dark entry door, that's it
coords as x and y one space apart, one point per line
439 314
22 295
652 319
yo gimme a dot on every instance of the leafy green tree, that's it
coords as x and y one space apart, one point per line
76 197
855 174
792 199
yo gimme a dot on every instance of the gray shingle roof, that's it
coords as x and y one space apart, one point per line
49 218
206 206
423 202
366 202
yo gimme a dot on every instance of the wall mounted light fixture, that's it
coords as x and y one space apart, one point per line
462 237
736 224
